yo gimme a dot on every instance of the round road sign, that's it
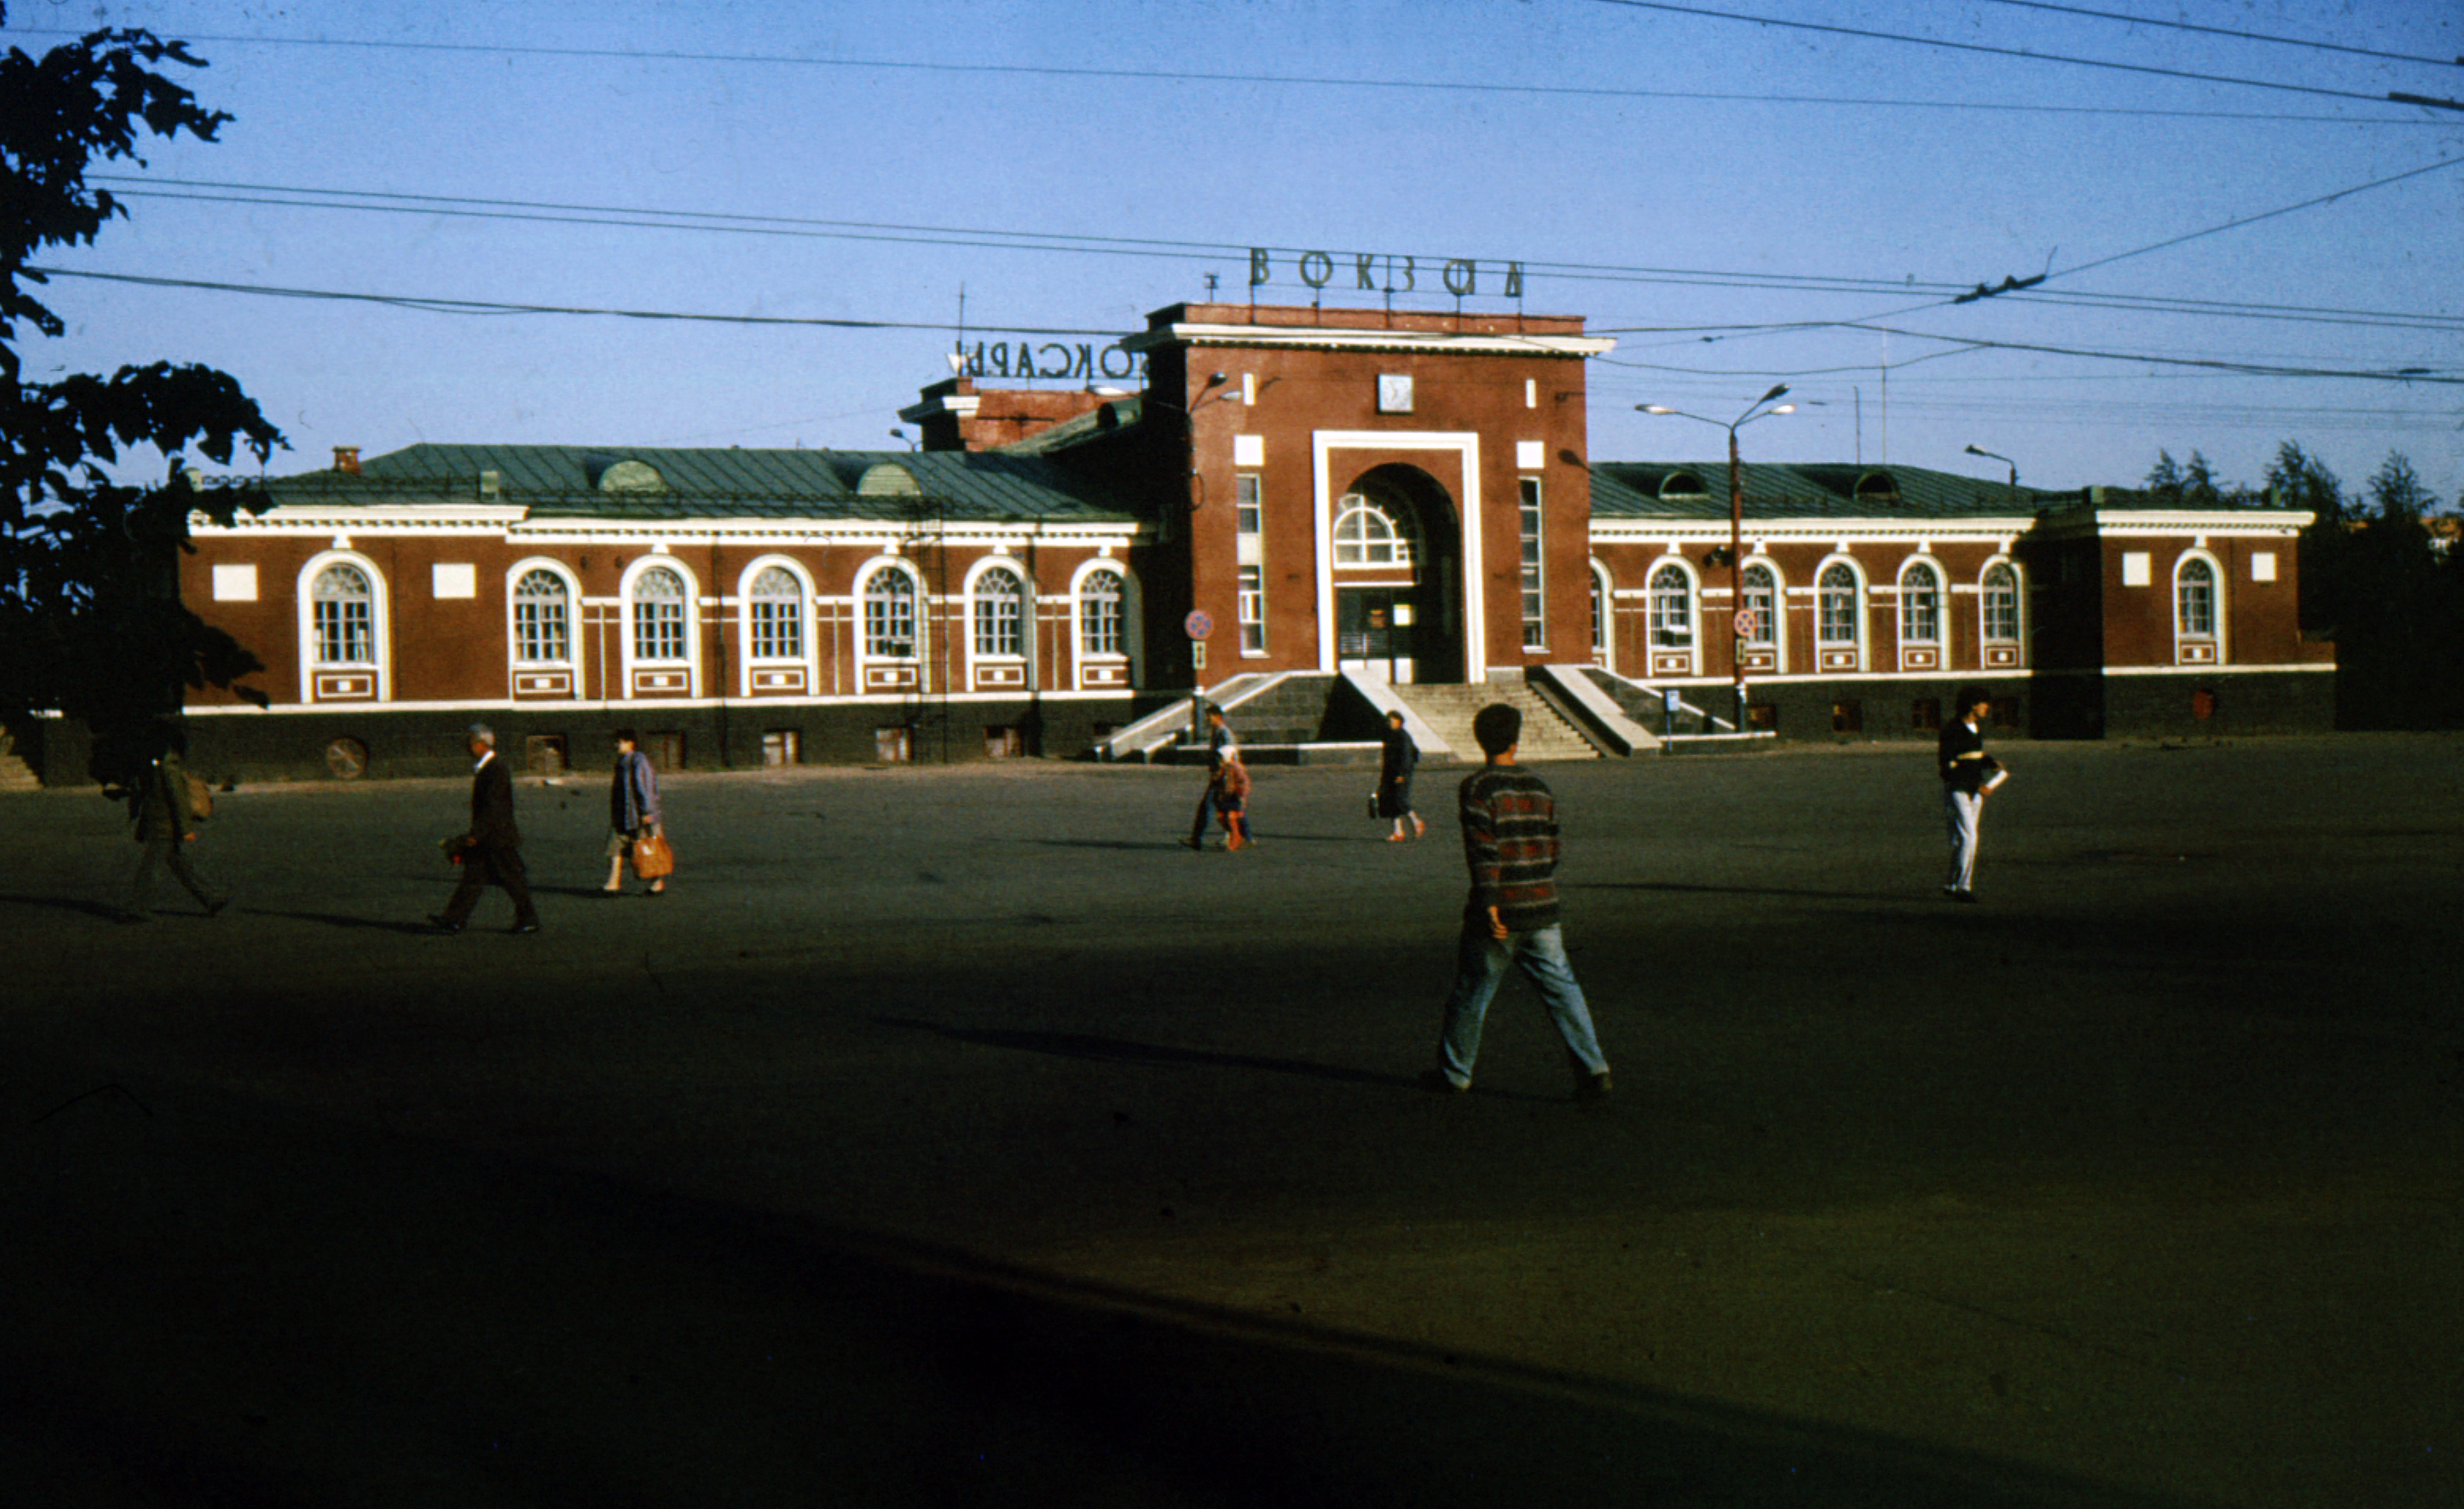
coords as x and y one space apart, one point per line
1197 624
1746 619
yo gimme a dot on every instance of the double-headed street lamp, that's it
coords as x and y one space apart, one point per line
1740 621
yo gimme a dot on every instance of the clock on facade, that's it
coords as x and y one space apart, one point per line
1393 392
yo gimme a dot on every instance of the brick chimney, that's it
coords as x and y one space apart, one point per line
346 460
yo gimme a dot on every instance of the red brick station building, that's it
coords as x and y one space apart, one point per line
1312 516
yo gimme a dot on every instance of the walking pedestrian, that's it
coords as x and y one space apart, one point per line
1219 743
632 811
1968 775
491 852
1232 798
1509 831
166 815
1395 766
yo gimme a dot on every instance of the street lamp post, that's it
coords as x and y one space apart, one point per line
1736 532
1988 455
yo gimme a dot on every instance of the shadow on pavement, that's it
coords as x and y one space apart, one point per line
334 919
292 1310
91 909
1682 889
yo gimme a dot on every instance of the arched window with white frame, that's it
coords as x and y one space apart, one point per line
661 639
1105 614
1759 585
344 629
997 609
542 619
888 649
343 607
1920 604
540 638
775 599
1669 619
2198 610
1840 617
1998 616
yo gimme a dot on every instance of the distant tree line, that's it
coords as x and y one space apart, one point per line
2382 576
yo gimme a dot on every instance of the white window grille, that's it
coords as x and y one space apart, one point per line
1535 608
890 614
1252 608
2195 597
1920 604
1762 601
1672 608
776 605
1836 595
542 619
2001 606
999 613
1100 598
343 612
1366 535
658 614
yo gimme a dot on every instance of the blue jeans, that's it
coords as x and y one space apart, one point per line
1480 963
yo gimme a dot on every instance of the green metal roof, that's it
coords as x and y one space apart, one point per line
1699 489
587 482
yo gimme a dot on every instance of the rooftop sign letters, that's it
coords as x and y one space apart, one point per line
1388 273
1024 357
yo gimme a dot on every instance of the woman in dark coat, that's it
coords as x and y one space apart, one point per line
632 810
1394 780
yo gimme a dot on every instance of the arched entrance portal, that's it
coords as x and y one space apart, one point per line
1397 566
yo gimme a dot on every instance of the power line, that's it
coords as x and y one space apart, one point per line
2247 220
2222 31
1966 345
2014 51
1307 80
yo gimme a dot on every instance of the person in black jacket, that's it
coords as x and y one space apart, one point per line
166 823
1395 766
1968 773
492 851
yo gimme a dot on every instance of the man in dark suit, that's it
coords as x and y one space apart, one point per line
491 850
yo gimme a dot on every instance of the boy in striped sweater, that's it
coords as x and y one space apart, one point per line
1510 828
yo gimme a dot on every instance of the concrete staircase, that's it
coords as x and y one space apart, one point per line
1449 711
14 774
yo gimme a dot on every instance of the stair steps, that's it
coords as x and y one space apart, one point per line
1449 710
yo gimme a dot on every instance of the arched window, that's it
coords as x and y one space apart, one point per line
542 619
1366 535
1836 611
1762 601
1920 604
2001 604
2194 598
1672 608
343 612
999 613
890 614
1101 599
776 601
659 615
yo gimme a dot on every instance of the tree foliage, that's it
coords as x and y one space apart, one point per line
90 620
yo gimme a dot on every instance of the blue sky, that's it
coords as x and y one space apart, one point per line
1885 179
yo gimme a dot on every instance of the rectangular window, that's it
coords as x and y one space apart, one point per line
1004 741
1763 717
893 746
781 747
544 754
2007 712
1253 610
777 628
658 630
540 629
345 632
1249 523
1535 615
1926 712
238 584
1847 717
1245 503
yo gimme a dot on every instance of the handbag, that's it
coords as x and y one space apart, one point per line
653 858
201 797
1373 807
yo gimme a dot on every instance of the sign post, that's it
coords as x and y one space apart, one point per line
1198 626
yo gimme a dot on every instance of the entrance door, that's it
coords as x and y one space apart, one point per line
1374 631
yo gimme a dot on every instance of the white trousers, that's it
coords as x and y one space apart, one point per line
1962 812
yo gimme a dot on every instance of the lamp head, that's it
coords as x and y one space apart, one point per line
1974 451
1654 409
1777 388
1785 409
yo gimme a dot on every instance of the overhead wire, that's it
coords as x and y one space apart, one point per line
2021 53
1309 80
2226 31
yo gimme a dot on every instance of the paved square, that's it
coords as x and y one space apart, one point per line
955 1136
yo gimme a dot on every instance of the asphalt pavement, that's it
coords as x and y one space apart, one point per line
957 1137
